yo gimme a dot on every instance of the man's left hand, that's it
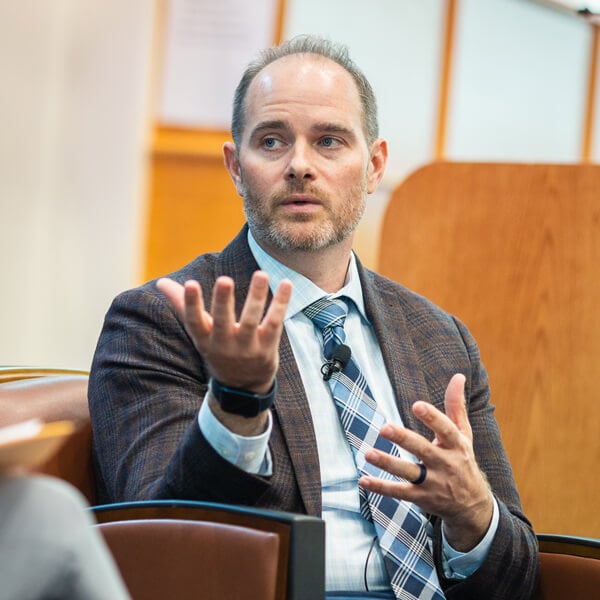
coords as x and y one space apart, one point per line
454 489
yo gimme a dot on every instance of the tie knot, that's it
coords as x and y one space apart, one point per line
326 313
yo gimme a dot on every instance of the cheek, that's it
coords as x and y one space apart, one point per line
259 177
351 175
257 187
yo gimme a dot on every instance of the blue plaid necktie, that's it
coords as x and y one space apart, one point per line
401 529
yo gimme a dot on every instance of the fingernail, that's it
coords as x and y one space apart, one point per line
420 410
372 457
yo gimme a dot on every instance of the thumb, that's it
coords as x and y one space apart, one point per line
455 404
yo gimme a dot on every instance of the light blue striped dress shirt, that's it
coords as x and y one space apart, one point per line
349 538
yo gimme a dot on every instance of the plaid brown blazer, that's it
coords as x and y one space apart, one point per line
147 382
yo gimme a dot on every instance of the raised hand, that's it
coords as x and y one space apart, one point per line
242 354
454 488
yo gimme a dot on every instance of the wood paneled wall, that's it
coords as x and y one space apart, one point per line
194 207
514 251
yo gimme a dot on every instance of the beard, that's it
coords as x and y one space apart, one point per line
304 232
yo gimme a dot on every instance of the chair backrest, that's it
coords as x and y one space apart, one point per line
187 560
301 549
513 250
570 567
53 395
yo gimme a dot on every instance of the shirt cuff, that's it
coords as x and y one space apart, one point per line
459 565
250 454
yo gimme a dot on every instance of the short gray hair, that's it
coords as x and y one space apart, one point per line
306 44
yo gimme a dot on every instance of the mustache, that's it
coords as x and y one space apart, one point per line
298 186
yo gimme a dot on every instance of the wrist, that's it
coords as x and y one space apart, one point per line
240 402
465 532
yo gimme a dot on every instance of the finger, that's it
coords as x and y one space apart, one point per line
254 306
272 324
446 432
385 487
412 442
174 293
403 469
196 319
455 404
222 308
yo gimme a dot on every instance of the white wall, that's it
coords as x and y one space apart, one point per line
520 83
73 121
73 132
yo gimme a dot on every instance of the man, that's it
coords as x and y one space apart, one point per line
271 429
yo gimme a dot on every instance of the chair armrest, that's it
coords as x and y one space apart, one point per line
569 544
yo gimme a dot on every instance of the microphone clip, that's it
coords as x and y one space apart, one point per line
339 359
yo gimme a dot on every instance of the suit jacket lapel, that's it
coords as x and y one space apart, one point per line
399 355
296 422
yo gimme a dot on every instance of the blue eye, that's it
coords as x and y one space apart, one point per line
270 142
329 142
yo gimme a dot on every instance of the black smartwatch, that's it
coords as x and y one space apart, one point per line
241 402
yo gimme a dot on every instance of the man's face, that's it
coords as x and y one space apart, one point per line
304 167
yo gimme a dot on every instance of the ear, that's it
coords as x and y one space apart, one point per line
377 163
232 163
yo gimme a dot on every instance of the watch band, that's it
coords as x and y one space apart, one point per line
241 402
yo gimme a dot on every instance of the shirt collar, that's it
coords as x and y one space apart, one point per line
305 292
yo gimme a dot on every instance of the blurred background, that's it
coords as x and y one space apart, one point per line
101 189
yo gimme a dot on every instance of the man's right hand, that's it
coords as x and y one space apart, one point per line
244 354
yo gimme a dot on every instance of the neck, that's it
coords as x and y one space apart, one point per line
326 268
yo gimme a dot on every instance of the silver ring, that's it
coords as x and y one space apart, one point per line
421 478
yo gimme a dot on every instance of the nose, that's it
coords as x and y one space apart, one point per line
300 166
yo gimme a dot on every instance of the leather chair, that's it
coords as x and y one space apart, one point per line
53 395
193 559
570 567
226 551
512 250
167 548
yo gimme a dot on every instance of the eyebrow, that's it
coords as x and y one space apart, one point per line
319 127
327 127
276 125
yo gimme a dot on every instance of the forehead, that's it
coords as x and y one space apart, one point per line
303 86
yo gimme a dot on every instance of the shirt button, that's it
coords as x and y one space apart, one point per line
249 456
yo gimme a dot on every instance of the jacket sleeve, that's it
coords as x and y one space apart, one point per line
146 385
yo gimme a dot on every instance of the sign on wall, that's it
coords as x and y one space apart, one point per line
208 45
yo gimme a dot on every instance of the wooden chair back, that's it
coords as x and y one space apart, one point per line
513 250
